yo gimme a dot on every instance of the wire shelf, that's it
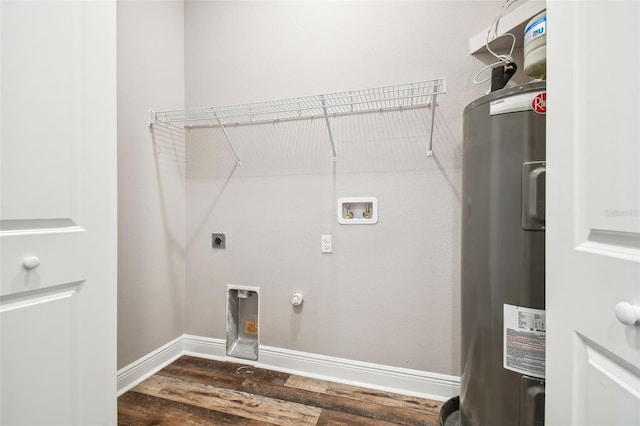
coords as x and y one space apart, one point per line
418 94
404 96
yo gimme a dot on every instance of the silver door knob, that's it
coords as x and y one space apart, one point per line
31 262
627 314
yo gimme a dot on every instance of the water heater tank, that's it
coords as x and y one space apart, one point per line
535 47
503 258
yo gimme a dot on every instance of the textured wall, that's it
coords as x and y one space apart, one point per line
389 293
151 191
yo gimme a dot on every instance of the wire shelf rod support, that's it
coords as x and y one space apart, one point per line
433 120
226 136
326 118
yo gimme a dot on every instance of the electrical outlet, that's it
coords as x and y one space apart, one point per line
326 244
218 241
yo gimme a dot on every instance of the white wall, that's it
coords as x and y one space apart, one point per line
151 192
389 293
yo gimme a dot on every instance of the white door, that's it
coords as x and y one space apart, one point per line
58 213
593 213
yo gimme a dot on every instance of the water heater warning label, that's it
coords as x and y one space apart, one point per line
524 340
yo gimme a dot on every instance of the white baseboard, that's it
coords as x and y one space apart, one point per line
386 378
149 364
205 347
375 376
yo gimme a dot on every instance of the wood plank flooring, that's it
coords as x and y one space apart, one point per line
196 391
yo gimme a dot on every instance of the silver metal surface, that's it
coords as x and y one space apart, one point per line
501 262
531 401
242 307
533 195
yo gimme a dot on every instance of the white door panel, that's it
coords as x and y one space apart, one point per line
607 390
37 68
36 353
606 116
58 203
60 251
593 213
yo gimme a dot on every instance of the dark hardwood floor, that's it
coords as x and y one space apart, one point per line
196 391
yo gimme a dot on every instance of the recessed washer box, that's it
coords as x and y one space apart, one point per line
243 321
358 210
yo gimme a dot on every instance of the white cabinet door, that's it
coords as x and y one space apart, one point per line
593 215
58 213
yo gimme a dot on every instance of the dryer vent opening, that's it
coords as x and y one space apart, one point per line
243 308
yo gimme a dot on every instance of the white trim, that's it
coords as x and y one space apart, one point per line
386 378
149 364
26 299
206 347
405 381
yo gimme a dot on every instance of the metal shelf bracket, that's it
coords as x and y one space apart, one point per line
326 118
433 119
226 135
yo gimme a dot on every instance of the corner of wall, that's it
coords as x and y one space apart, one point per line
151 175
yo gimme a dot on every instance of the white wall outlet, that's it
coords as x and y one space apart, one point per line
326 245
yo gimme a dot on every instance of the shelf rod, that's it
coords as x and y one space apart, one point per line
433 117
226 135
326 118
